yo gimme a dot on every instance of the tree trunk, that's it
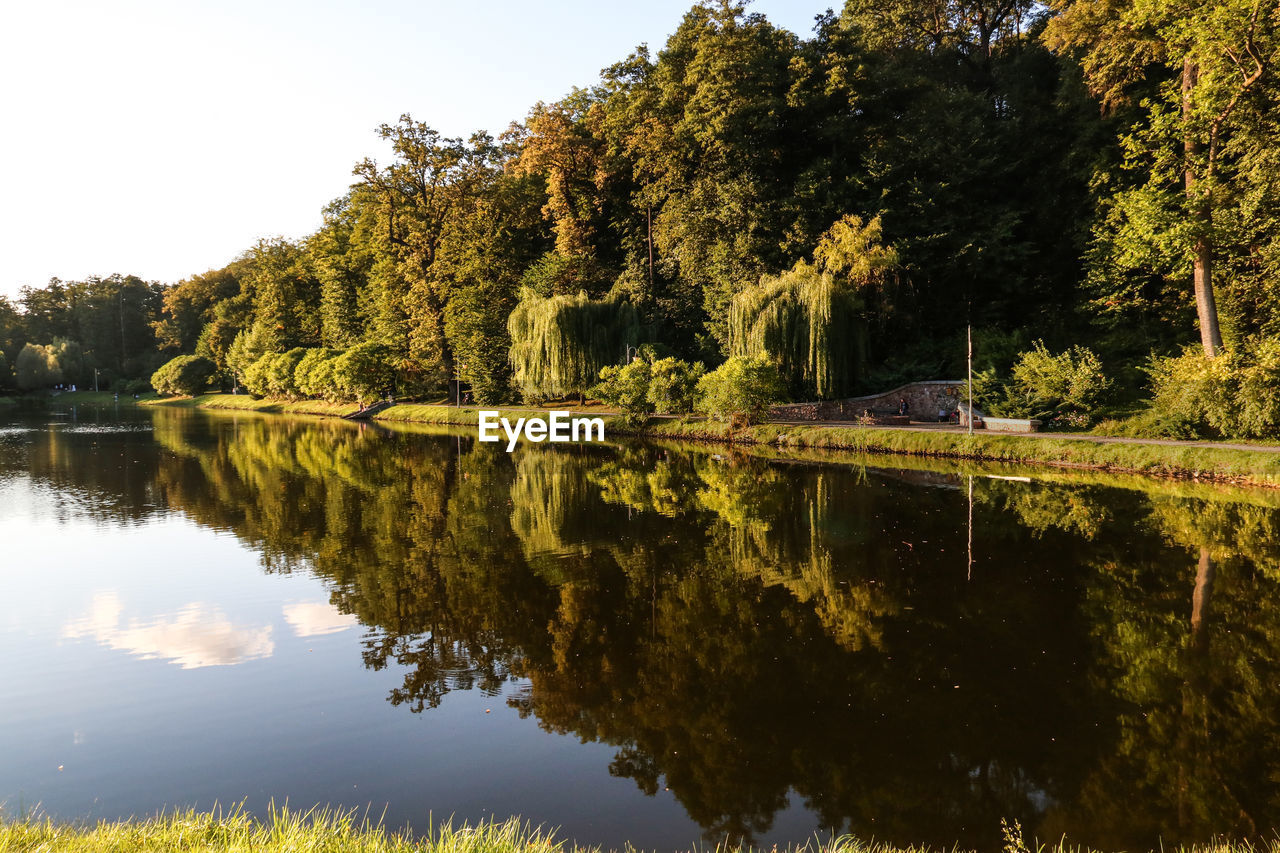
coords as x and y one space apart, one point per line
1206 304
649 214
1202 213
1205 574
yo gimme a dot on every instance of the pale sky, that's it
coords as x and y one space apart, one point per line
163 137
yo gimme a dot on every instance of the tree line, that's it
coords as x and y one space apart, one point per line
842 204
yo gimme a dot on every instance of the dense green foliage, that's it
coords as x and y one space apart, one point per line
843 202
559 344
183 374
1236 395
363 373
740 391
626 388
1065 389
639 388
807 325
102 325
673 386
37 367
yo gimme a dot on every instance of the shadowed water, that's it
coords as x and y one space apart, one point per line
654 644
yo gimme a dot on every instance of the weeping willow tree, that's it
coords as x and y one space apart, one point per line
808 324
559 343
810 319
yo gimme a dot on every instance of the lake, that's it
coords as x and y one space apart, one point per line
659 644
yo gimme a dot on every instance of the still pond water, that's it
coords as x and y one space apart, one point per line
663 645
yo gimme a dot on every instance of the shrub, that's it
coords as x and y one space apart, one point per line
323 380
673 385
137 386
627 389
313 376
279 372
1067 387
1258 399
1236 395
740 390
255 375
363 373
186 374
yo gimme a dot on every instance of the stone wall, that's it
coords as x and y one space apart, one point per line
924 400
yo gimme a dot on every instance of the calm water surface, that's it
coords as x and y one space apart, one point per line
661 645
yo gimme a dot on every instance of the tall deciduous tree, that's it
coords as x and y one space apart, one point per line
417 199
715 146
1202 71
286 295
188 308
342 255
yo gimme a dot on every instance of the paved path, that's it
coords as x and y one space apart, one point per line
1069 436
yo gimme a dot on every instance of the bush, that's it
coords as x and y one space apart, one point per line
1236 395
627 389
255 375
313 377
1258 400
279 372
136 386
363 373
1066 388
186 374
673 385
740 391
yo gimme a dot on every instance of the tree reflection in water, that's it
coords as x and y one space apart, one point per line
745 631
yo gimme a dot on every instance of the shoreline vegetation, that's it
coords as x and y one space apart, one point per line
288 829
1190 460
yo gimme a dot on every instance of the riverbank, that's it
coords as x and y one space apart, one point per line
245 403
346 832
1185 460
87 398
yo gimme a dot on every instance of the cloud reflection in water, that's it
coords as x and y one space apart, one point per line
197 635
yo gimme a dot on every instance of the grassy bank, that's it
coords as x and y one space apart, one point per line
1165 460
88 398
1187 461
97 398
245 403
340 832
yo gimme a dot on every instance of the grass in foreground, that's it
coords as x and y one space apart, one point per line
327 830
284 830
